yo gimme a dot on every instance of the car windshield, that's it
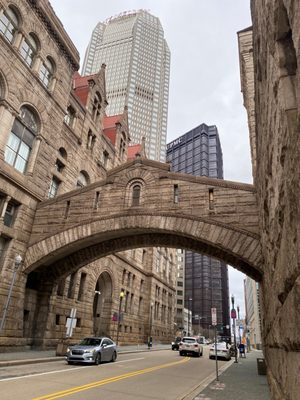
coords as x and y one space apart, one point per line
219 346
189 340
90 342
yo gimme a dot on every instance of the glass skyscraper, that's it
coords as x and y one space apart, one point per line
137 59
198 152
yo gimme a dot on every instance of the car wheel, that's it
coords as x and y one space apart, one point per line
114 357
201 354
181 353
98 359
197 354
211 357
70 362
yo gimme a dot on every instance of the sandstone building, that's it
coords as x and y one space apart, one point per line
52 139
269 54
55 138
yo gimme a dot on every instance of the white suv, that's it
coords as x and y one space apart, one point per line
190 345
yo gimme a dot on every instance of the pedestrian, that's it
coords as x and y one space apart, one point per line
242 350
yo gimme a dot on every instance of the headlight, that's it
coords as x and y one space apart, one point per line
68 350
89 351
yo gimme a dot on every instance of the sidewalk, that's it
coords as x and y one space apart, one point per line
239 381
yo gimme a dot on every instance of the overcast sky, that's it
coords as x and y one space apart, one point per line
205 78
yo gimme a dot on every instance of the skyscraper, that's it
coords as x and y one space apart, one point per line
137 59
198 152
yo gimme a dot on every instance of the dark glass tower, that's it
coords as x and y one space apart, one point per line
198 152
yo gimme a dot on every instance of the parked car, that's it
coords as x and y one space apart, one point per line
223 351
175 344
190 345
92 350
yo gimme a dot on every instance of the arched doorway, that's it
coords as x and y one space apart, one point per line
102 305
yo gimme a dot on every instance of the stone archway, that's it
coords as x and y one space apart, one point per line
102 305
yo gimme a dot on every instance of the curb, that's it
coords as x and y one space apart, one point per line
29 361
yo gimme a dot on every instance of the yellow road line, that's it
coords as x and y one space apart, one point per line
92 385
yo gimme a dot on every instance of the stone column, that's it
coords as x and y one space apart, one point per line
7 117
33 155
36 66
4 207
18 40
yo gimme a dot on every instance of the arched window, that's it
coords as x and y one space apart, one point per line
47 72
83 179
21 138
9 24
136 194
29 49
62 152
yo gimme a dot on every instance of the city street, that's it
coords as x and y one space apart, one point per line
147 375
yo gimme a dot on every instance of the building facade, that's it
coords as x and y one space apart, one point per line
137 58
253 315
199 153
55 138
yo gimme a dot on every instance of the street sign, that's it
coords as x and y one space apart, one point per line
71 322
214 316
233 314
115 317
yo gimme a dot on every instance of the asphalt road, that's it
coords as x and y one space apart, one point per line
148 375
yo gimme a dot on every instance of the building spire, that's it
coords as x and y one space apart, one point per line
142 152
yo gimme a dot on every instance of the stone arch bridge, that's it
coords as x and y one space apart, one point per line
142 203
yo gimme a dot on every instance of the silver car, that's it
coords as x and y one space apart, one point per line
92 350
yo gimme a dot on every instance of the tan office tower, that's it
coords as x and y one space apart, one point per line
137 59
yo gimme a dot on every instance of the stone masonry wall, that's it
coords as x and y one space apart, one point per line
276 40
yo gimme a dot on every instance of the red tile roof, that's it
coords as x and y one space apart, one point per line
132 150
110 122
81 86
109 127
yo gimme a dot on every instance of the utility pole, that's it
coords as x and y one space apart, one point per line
239 321
233 317
119 314
190 314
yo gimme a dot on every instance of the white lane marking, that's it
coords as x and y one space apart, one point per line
63 370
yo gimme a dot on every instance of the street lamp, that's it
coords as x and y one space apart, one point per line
119 313
189 315
233 317
150 327
17 263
